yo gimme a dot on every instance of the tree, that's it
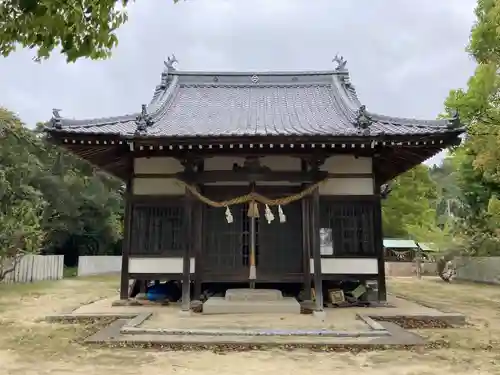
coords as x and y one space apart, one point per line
81 28
21 205
51 201
475 176
402 213
477 160
21 233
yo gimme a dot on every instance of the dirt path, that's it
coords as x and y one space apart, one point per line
29 347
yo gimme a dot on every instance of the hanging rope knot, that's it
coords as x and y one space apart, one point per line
253 209
253 199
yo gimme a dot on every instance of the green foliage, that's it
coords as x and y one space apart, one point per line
477 160
51 201
21 204
484 42
80 28
410 203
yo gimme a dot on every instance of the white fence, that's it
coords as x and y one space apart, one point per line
478 269
99 264
37 268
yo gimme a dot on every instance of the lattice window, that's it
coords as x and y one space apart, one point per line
351 225
157 230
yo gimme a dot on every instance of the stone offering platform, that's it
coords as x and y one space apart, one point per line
164 327
251 301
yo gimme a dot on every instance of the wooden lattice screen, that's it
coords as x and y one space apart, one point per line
352 227
157 230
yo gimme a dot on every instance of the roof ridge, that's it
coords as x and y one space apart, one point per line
162 97
344 102
258 85
255 72
168 97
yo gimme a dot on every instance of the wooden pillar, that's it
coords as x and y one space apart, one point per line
316 250
143 286
418 261
197 234
306 240
127 219
127 224
306 248
186 258
378 235
198 248
127 228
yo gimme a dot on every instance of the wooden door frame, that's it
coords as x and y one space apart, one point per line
229 191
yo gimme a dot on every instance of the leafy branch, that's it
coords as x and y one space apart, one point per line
80 28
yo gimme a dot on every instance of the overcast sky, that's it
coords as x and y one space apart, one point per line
403 55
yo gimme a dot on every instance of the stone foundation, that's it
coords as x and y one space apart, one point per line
251 301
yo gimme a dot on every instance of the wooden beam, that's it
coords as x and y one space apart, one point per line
230 176
219 176
249 152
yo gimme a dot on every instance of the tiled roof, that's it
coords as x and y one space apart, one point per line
188 104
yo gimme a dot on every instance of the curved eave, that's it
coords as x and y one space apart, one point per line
393 140
392 162
394 157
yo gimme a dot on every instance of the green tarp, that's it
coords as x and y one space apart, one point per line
393 243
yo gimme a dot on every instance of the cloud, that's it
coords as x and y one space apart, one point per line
404 56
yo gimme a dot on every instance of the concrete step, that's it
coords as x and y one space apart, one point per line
253 295
219 305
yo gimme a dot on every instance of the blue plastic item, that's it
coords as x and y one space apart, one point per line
157 292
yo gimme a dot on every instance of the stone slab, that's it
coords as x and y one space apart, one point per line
112 336
374 325
126 329
321 315
253 295
219 305
85 317
448 318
